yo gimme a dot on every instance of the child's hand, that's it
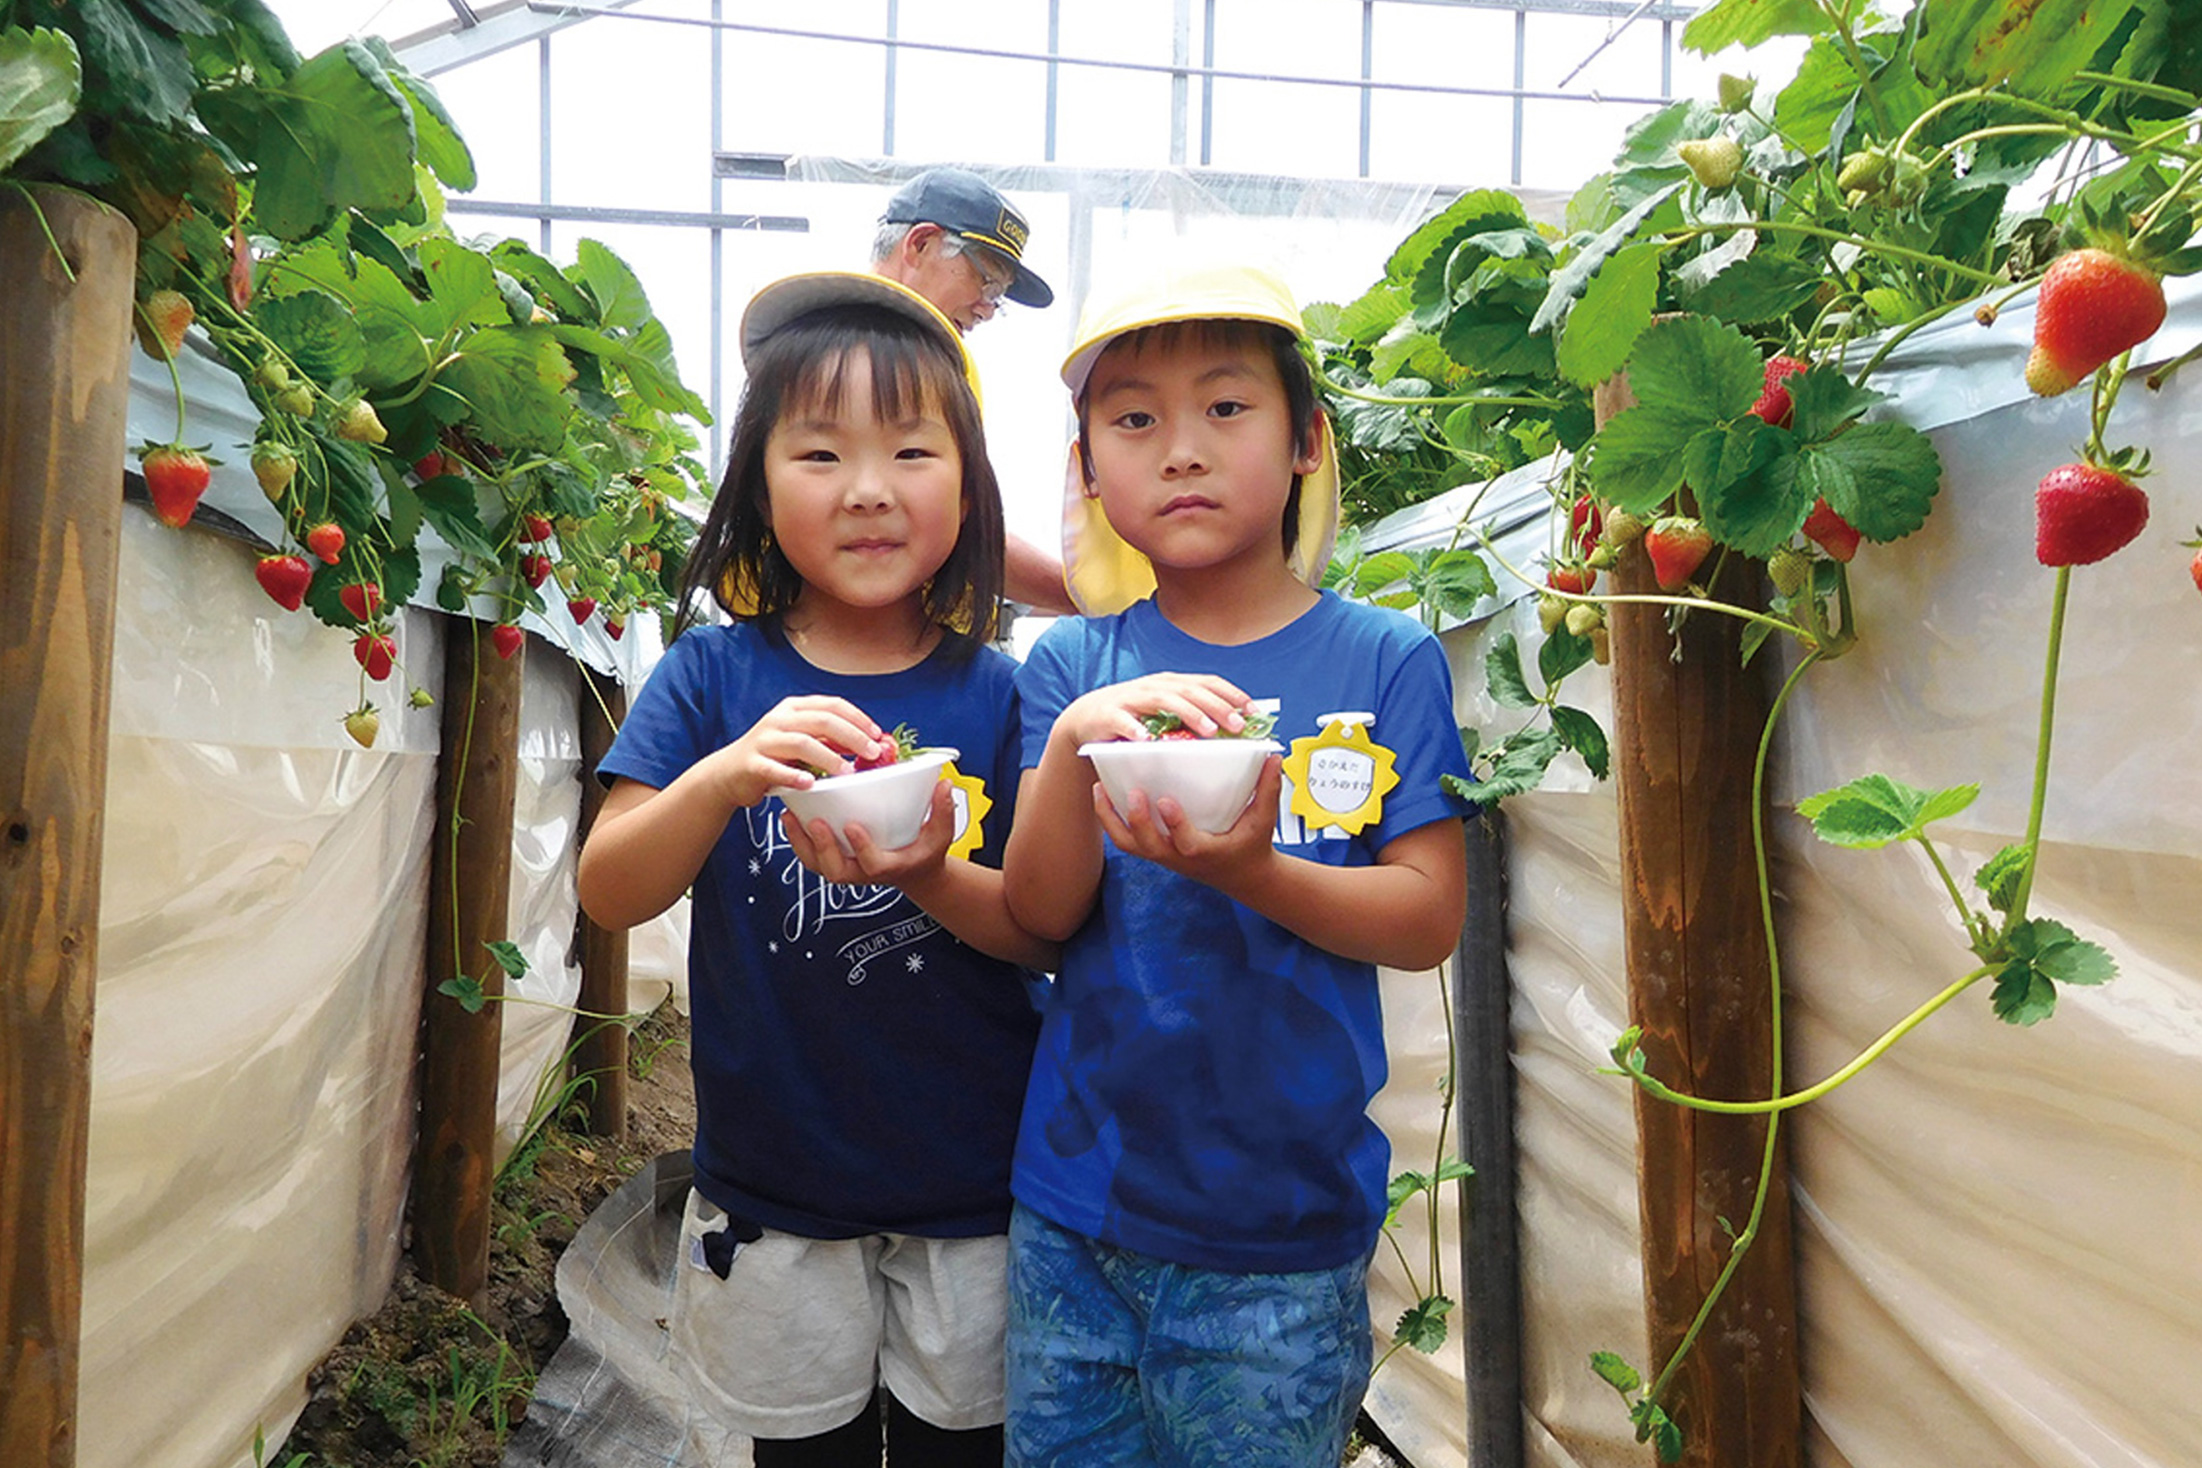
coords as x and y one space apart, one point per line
903 867
1205 702
810 729
1159 831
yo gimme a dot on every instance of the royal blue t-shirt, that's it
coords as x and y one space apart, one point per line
1201 1087
858 1068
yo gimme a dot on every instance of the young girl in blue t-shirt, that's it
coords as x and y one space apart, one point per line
861 1024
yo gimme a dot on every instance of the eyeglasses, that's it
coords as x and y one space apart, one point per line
994 279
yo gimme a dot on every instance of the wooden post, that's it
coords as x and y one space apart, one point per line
1490 1245
64 398
1686 735
470 867
602 1054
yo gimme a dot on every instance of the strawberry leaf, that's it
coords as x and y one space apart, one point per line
1519 766
1875 811
1697 368
2058 953
1637 457
1422 1324
1881 477
1749 22
1502 675
1616 310
1759 512
467 990
1581 733
1615 1372
1563 652
1999 876
1823 400
509 957
2023 996
1570 279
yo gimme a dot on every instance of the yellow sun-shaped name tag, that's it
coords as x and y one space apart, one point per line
972 804
1339 777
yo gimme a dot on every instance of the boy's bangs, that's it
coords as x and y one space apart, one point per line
1207 333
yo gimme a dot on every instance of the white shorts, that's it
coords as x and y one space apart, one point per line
792 1342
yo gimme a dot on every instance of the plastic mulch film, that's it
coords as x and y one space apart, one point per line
260 960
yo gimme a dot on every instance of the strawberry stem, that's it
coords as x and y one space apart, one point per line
2041 752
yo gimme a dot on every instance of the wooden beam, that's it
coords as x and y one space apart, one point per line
1687 726
602 1053
64 398
470 883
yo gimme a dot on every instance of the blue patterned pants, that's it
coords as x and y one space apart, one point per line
1119 1359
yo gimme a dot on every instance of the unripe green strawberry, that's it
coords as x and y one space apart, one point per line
421 698
1863 172
1551 613
1601 646
274 375
274 465
297 400
363 723
1714 162
360 424
1735 92
1583 619
1622 528
1789 568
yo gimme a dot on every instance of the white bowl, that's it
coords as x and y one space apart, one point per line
1211 779
889 802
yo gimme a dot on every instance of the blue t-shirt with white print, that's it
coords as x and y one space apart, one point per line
1201 1086
858 1067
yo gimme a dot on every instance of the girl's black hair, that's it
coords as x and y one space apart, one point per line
1229 334
738 564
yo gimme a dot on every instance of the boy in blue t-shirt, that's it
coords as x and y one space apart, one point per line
1199 1186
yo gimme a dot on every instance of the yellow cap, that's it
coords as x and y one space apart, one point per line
1103 572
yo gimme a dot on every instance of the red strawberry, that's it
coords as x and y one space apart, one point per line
166 315
1830 532
535 529
1677 545
1584 524
899 745
2093 305
175 477
535 570
581 608
2083 512
2196 569
1180 732
430 464
285 578
377 652
507 639
240 267
326 540
614 626
1574 577
360 599
1774 405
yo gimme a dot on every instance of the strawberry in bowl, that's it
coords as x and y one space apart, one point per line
1211 777
887 793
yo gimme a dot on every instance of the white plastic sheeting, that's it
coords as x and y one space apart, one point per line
1997 1237
262 939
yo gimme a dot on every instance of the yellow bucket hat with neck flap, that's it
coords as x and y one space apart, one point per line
1103 573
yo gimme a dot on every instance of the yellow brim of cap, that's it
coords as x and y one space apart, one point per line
1105 574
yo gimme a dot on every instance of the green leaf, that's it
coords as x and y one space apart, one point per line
1454 581
1750 22
1615 310
447 502
339 136
1519 766
1637 464
1701 369
1881 477
1422 1324
2022 995
1665 1436
316 331
1874 811
545 279
1651 140
1748 493
1615 1372
132 68
441 147
1825 400
41 79
509 957
1502 674
1808 110
467 990
512 378
1569 281
1419 260
1999 875
1563 652
1581 733
620 301
1383 569
462 287
2060 954
1762 286
2035 47
1491 338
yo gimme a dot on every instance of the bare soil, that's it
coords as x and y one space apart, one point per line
425 1382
